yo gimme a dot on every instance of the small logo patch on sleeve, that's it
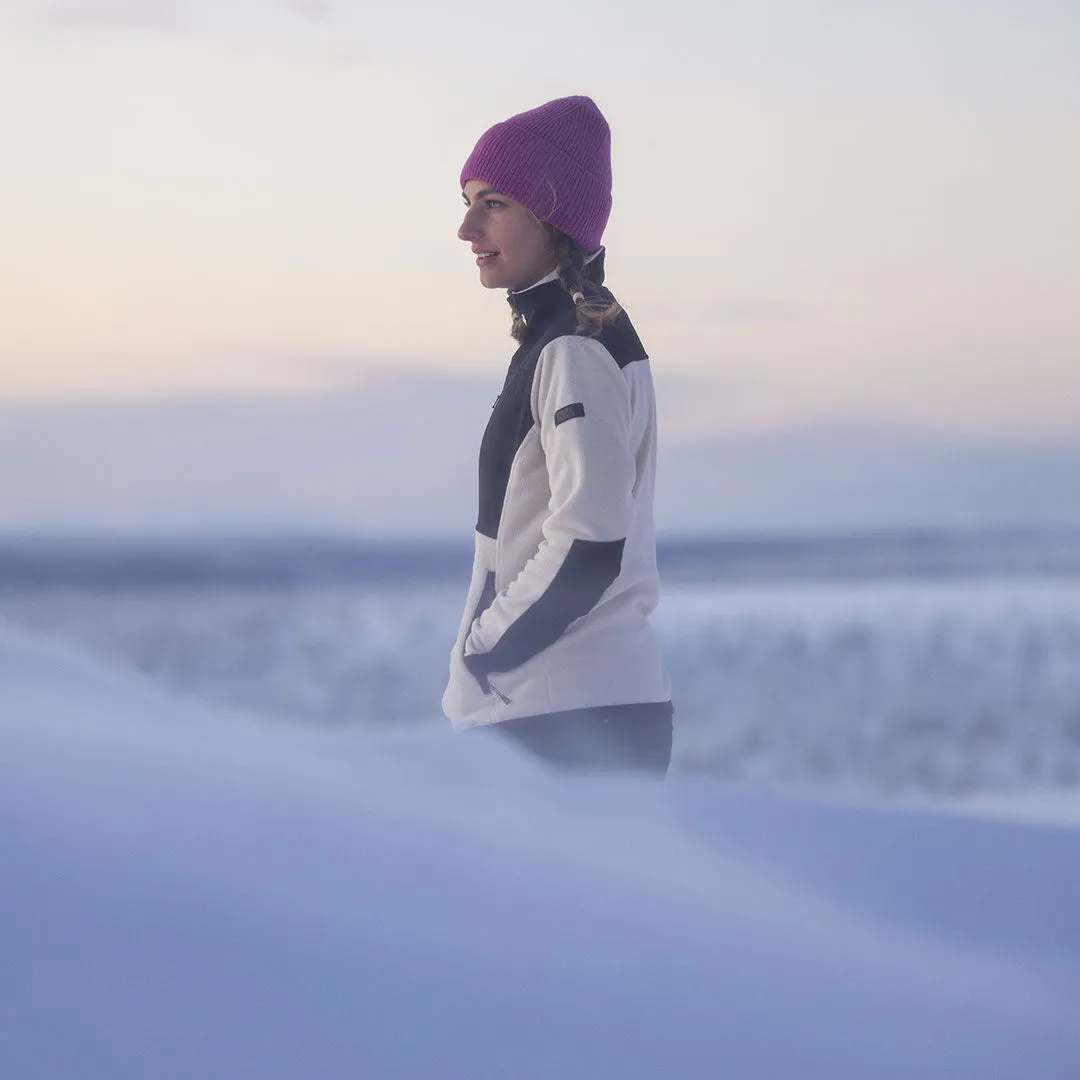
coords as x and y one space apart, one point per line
569 412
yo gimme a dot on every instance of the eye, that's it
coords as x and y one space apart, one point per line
494 204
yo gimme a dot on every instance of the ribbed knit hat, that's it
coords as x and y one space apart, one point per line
556 161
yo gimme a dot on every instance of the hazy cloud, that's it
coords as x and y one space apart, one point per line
316 10
320 462
145 15
732 310
757 311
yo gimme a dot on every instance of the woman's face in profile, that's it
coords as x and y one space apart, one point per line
512 248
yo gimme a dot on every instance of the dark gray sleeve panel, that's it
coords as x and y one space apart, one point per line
588 570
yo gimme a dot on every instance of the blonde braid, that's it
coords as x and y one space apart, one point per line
593 312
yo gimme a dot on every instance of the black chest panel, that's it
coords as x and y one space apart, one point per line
511 420
552 316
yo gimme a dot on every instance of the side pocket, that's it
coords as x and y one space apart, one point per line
487 596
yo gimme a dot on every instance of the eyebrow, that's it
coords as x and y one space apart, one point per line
480 195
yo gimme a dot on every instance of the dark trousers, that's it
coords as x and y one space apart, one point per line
635 738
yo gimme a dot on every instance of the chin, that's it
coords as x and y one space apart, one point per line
494 280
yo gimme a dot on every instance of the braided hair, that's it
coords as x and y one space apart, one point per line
595 307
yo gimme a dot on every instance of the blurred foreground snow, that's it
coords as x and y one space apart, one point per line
187 893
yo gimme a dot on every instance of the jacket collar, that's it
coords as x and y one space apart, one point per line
547 294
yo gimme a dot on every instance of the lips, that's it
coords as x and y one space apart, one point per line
484 256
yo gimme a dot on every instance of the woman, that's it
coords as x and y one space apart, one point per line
555 647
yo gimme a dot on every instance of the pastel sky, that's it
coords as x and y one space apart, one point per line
822 209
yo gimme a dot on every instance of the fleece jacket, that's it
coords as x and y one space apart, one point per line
564 573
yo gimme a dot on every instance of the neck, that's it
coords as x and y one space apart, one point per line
552 274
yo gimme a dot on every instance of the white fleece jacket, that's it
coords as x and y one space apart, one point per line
564 575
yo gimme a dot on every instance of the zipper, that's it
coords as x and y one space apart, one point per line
499 694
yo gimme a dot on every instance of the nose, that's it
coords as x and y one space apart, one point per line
469 230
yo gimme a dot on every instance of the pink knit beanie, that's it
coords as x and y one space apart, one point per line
556 161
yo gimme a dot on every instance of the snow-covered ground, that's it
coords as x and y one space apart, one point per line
947 687
188 892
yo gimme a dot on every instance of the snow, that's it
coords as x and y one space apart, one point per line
193 892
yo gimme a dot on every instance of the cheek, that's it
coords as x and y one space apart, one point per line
526 241
535 243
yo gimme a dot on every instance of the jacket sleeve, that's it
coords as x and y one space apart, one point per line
581 402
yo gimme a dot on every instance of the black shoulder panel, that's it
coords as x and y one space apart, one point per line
621 340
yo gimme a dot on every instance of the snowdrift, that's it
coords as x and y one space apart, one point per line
186 893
